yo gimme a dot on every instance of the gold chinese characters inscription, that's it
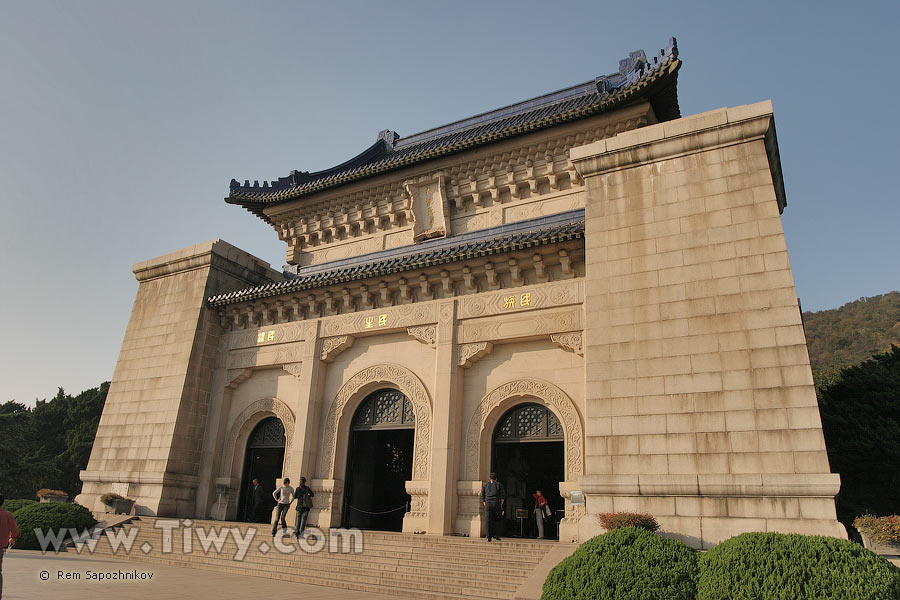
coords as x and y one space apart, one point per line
370 321
521 299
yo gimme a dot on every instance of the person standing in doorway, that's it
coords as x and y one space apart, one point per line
493 497
304 497
257 501
8 534
541 511
284 496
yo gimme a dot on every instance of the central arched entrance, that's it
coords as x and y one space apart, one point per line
264 461
528 455
379 462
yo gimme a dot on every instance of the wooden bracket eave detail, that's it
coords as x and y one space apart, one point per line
235 377
333 346
424 333
471 353
294 368
570 342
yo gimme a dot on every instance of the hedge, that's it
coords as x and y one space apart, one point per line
15 504
778 566
49 516
611 521
625 564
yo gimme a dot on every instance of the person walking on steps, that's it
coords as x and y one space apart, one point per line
304 495
284 496
493 497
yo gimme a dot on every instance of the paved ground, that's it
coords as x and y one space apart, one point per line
23 571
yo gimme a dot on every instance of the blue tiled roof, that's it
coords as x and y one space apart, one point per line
496 240
637 77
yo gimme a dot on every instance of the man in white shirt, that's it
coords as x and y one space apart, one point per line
284 495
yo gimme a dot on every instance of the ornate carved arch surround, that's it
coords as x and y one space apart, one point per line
332 457
495 404
239 433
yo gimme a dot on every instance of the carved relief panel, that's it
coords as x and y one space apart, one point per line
428 199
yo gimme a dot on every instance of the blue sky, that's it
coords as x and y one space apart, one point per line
121 124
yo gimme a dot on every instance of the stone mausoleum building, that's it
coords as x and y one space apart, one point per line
585 292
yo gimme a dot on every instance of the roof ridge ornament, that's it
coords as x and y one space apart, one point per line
389 136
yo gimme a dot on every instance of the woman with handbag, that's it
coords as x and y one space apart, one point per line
304 495
541 511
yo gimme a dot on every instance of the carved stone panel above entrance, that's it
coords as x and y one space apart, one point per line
428 200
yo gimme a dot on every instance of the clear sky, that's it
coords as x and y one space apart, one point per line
122 122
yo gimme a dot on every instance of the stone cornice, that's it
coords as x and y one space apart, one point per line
766 484
216 254
689 135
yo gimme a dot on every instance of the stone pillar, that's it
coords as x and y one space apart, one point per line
150 437
700 406
445 425
310 408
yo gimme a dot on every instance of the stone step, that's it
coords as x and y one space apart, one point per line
485 551
369 583
397 564
332 563
485 573
404 538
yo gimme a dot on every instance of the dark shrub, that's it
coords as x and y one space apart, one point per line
627 563
49 516
611 521
795 567
110 498
14 505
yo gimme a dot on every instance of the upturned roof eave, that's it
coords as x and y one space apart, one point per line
662 80
498 240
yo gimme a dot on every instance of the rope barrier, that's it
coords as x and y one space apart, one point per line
383 512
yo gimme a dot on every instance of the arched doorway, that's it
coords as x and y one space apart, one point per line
528 455
379 462
263 460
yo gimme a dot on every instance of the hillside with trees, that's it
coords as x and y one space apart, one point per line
46 446
847 336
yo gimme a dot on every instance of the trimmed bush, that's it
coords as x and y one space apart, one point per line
111 498
625 564
14 505
611 521
780 566
49 516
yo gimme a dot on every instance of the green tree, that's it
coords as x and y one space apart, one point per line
861 420
848 335
48 445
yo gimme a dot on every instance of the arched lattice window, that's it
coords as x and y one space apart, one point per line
529 423
385 409
269 433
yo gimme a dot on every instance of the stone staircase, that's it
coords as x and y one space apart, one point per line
394 564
